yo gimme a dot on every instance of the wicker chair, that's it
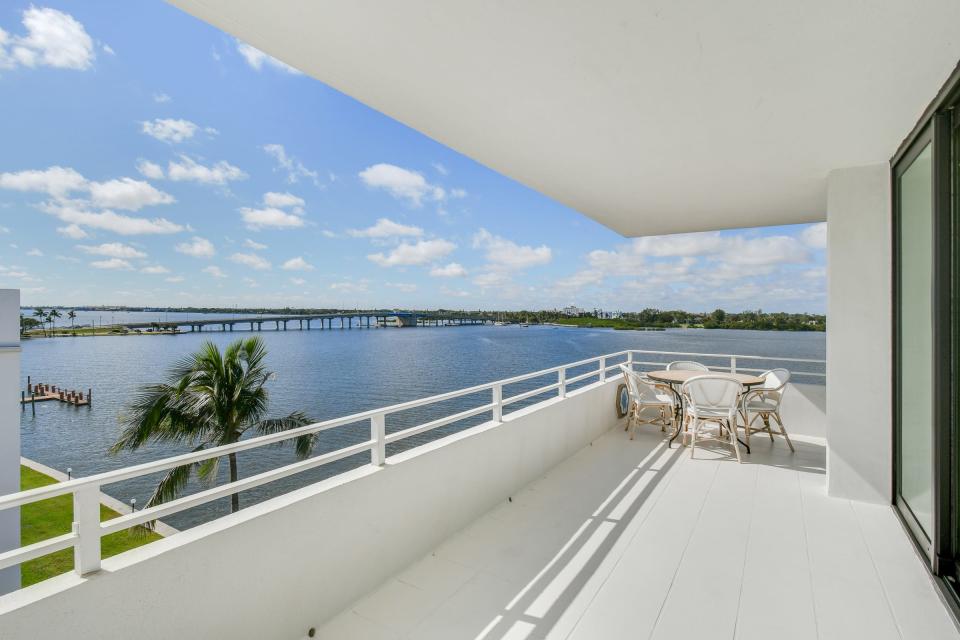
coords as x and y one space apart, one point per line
764 403
712 399
645 399
686 365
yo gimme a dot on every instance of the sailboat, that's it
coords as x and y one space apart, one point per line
499 322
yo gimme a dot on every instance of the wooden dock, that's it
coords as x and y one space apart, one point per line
47 392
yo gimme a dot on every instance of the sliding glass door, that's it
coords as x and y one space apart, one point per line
915 274
926 336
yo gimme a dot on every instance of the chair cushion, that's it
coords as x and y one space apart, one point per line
761 405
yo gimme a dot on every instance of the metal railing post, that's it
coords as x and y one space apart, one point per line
86 525
630 360
378 433
733 364
603 369
562 379
498 403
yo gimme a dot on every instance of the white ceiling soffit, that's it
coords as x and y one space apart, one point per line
649 117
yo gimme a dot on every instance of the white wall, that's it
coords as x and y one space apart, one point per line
277 568
859 352
804 410
9 428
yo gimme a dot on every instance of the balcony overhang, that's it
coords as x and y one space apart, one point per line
648 117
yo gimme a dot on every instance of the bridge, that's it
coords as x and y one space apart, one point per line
327 321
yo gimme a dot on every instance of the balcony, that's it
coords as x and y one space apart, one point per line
630 539
541 521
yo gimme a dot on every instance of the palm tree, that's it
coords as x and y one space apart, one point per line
209 399
73 316
41 316
52 317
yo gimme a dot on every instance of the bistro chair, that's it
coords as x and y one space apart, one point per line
686 365
764 403
645 399
715 399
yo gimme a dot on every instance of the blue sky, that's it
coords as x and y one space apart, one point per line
150 159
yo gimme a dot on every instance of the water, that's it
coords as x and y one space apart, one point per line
328 374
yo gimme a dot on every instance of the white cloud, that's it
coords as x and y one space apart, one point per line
350 287
256 246
55 181
251 260
492 279
282 200
169 130
270 218
115 264
108 49
298 281
815 236
402 184
456 293
36 253
292 166
174 279
188 169
197 247
127 194
258 59
73 214
328 234
72 231
385 228
506 254
161 98
422 252
458 193
112 250
405 287
214 271
53 39
155 269
298 264
150 170
441 169
451 270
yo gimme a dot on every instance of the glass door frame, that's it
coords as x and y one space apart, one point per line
939 126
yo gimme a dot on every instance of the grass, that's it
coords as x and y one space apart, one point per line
54 517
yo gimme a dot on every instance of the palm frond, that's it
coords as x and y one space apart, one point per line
303 445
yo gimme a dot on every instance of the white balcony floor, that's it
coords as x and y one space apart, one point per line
627 539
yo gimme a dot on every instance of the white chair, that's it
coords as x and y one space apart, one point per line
764 402
712 398
646 396
686 365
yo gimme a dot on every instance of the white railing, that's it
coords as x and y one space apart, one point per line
88 530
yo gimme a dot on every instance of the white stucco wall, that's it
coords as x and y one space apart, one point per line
859 352
9 428
804 410
277 568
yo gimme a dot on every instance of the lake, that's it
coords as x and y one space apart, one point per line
328 374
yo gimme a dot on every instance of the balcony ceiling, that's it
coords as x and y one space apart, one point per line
649 117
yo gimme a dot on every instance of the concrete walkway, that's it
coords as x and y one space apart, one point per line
122 508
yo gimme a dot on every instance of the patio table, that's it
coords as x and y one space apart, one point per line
675 379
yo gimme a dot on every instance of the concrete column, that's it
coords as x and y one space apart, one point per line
9 428
859 349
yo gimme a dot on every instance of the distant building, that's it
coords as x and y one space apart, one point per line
572 311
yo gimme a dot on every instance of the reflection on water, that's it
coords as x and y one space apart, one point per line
329 374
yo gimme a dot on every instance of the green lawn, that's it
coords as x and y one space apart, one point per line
54 517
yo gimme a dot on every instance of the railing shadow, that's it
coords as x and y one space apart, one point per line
535 610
